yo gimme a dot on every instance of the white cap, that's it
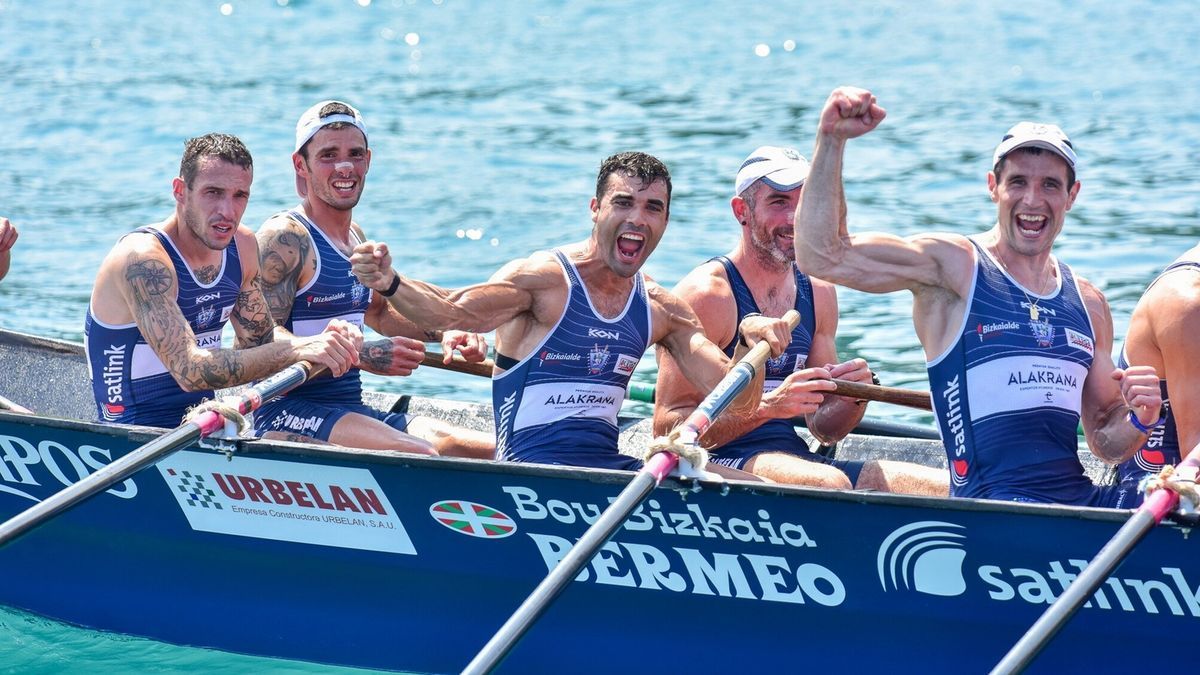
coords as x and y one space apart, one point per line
782 168
1046 136
311 122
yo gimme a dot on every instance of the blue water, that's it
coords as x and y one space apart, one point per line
489 120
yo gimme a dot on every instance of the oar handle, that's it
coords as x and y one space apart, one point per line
910 398
458 364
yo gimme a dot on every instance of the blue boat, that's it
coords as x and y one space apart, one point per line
398 562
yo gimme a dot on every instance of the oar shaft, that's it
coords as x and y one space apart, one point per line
1157 505
910 398
120 469
458 364
656 468
97 482
539 600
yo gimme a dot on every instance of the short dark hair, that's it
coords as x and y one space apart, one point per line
331 108
634 165
221 146
1035 150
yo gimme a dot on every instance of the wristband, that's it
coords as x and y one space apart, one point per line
1137 424
391 289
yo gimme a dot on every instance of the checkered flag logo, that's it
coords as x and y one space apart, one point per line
195 489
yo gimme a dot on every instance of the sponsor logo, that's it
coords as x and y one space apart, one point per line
321 299
602 334
211 341
225 312
305 426
1045 376
581 399
777 364
473 519
358 292
20 457
552 358
926 557
208 297
285 501
114 384
1080 341
684 569
1041 310
597 358
204 317
987 330
1043 332
957 434
625 364
506 410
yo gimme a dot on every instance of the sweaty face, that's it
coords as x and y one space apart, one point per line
771 224
630 218
336 168
213 205
1032 199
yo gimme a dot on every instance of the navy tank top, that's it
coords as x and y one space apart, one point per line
773 434
129 382
1007 393
559 404
333 293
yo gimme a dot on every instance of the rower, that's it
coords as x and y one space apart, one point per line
305 259
1162 335
165 292
8 237
572 323
1018 346
760 276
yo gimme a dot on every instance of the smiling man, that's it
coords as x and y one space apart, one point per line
572 323
165 292
760 276
1018 347
307 280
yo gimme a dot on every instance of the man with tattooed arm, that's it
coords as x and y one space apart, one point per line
305 264
165 291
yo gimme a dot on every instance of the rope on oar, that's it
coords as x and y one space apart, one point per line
692 452
1156 506
226 407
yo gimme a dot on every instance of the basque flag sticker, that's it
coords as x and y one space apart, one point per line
474 519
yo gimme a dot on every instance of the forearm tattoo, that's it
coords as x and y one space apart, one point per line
253 318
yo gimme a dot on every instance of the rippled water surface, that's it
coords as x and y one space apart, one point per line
488 121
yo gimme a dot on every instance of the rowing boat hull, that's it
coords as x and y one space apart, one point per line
410 563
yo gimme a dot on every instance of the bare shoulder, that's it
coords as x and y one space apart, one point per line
280 223
358 231
540 270
704 282
1093 299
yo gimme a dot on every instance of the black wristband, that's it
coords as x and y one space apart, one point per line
742 338
391 289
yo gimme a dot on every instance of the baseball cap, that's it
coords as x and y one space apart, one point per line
1046 136
311 122
782 168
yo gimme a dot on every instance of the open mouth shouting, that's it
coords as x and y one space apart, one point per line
1030 225
629 246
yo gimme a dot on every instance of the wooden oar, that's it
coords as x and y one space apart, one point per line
643 483
458 364
910 398
202 425
1157 505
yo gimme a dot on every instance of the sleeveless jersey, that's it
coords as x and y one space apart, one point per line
773 434
1007 393
333 293
1162 445
559 404
129 382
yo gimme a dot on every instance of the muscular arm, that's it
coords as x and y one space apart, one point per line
1107 399
285 257
477 308
1162 334
251 319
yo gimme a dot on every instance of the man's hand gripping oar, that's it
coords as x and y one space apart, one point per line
663 460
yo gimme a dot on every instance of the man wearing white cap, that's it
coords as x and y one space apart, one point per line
760 276
1018 347
306 269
